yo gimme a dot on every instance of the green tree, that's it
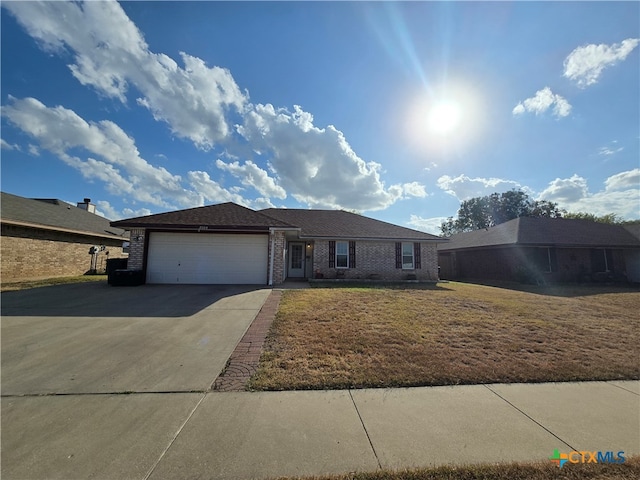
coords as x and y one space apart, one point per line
484 212
610 218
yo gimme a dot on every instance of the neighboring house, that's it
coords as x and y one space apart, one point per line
529 249
228 243
51 238
632 257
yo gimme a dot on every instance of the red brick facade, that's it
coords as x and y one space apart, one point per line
376 260
32 253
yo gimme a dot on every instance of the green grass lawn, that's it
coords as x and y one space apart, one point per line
453 333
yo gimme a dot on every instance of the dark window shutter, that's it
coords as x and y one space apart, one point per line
398 255
417 261
352 254
332 254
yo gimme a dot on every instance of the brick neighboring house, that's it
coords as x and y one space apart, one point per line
44 238
542 250
228 243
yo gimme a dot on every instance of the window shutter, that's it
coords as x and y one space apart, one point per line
417 261
352 254
332 254
398 255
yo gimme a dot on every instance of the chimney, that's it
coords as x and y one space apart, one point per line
87 205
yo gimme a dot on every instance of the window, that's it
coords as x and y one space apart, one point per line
407 256
342 254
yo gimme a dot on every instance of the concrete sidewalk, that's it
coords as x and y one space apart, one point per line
261 435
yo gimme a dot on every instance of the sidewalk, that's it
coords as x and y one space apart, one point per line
240 435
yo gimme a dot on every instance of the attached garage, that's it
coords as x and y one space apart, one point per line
207 258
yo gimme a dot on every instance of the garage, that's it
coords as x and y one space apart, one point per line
207 258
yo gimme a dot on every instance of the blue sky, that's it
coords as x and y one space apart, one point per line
397 110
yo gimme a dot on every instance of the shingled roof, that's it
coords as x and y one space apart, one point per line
223 216
543 231
54 214
341 224
311 223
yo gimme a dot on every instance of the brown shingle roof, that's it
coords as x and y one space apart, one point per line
542 231
55 214
224 216
341 224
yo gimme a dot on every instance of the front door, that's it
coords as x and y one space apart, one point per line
296 260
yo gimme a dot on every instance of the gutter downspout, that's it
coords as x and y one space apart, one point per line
273 242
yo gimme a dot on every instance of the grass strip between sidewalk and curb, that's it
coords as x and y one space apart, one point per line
629 470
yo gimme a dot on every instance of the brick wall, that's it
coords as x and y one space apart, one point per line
377 260
136 249
29 253
279 242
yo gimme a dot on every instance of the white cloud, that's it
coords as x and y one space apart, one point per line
541 102
199 102
211 191
464 188
34 150
585 64
624 180
140 212
120 166
429 225
110 53
251 175
608 151
620 195
566 191
414 189
9 146
316 165
104 209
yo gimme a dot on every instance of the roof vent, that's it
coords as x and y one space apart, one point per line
87 205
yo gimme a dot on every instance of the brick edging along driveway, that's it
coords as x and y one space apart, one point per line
244 360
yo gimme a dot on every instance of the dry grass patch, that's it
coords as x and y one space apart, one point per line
508 471
48 282
451 334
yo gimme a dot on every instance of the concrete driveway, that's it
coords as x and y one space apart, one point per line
93 338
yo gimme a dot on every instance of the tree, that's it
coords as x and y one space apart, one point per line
610 218
484 212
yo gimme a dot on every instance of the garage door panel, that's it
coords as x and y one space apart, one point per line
207 258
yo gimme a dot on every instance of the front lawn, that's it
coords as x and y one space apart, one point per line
48 282
453 333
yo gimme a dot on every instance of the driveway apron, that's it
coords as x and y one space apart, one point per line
100 339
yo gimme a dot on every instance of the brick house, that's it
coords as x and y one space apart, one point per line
228 243
45 238
542 250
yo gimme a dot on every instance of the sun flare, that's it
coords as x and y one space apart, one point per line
444 117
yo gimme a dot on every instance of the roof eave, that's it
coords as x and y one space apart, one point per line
64 230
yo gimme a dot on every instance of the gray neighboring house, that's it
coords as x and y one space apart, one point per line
545 250
228 243
50 238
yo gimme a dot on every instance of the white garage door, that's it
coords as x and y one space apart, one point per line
207 258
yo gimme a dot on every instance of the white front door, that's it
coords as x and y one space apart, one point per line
296 260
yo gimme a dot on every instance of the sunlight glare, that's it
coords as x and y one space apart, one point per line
444 117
